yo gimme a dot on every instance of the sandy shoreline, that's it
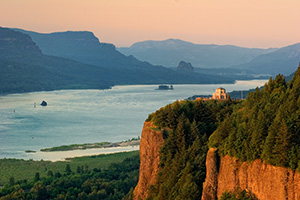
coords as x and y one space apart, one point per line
62 155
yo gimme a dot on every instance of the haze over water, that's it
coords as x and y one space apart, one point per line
86 116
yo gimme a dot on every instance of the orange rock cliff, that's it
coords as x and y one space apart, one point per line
151 141
223 174
266 182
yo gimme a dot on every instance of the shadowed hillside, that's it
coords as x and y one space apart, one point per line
170 52
24 67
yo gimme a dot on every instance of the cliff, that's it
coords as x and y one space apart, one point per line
265 182
15 45
151 141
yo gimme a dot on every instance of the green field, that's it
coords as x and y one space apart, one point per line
26 169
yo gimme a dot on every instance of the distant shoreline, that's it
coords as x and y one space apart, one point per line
55 156
132 142
65 152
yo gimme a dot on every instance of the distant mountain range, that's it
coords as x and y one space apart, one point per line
84 47
170 52
284 61
23 68
32 61
209 57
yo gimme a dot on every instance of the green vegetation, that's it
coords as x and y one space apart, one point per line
186 127
240 195
77 146
26 169
29 151
82 182
129 142
133 139
265 126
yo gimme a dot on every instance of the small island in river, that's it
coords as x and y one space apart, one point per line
165 87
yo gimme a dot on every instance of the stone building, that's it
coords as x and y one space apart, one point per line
220 94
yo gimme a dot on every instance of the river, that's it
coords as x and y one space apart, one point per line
86 116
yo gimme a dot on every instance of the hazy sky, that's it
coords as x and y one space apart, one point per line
250 23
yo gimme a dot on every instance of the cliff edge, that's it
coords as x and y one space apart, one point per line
265 182
151 141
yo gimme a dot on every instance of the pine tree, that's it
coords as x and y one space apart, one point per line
186 187
194 131
280 149
268 154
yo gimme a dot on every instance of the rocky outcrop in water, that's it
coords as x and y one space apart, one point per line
44 103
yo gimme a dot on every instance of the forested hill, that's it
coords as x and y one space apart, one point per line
264 126
85 47
283 61
15 44
25 68
186 127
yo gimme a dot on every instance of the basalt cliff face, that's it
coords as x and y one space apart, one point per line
151 141
264 181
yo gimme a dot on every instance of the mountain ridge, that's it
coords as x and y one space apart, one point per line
107 56
27 71
281 61
200 55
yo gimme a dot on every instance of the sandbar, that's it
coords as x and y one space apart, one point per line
62 155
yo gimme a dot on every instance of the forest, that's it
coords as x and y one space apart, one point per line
186 127
77 182
265 126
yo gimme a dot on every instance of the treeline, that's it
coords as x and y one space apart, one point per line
265 126
186 127
112 183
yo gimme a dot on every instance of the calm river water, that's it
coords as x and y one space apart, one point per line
86 116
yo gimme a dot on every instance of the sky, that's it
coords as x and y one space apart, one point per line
247 23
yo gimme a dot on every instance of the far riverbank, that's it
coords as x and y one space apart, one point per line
64 155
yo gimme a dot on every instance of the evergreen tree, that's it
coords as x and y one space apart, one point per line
280 149
68 169
36 177
11 180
